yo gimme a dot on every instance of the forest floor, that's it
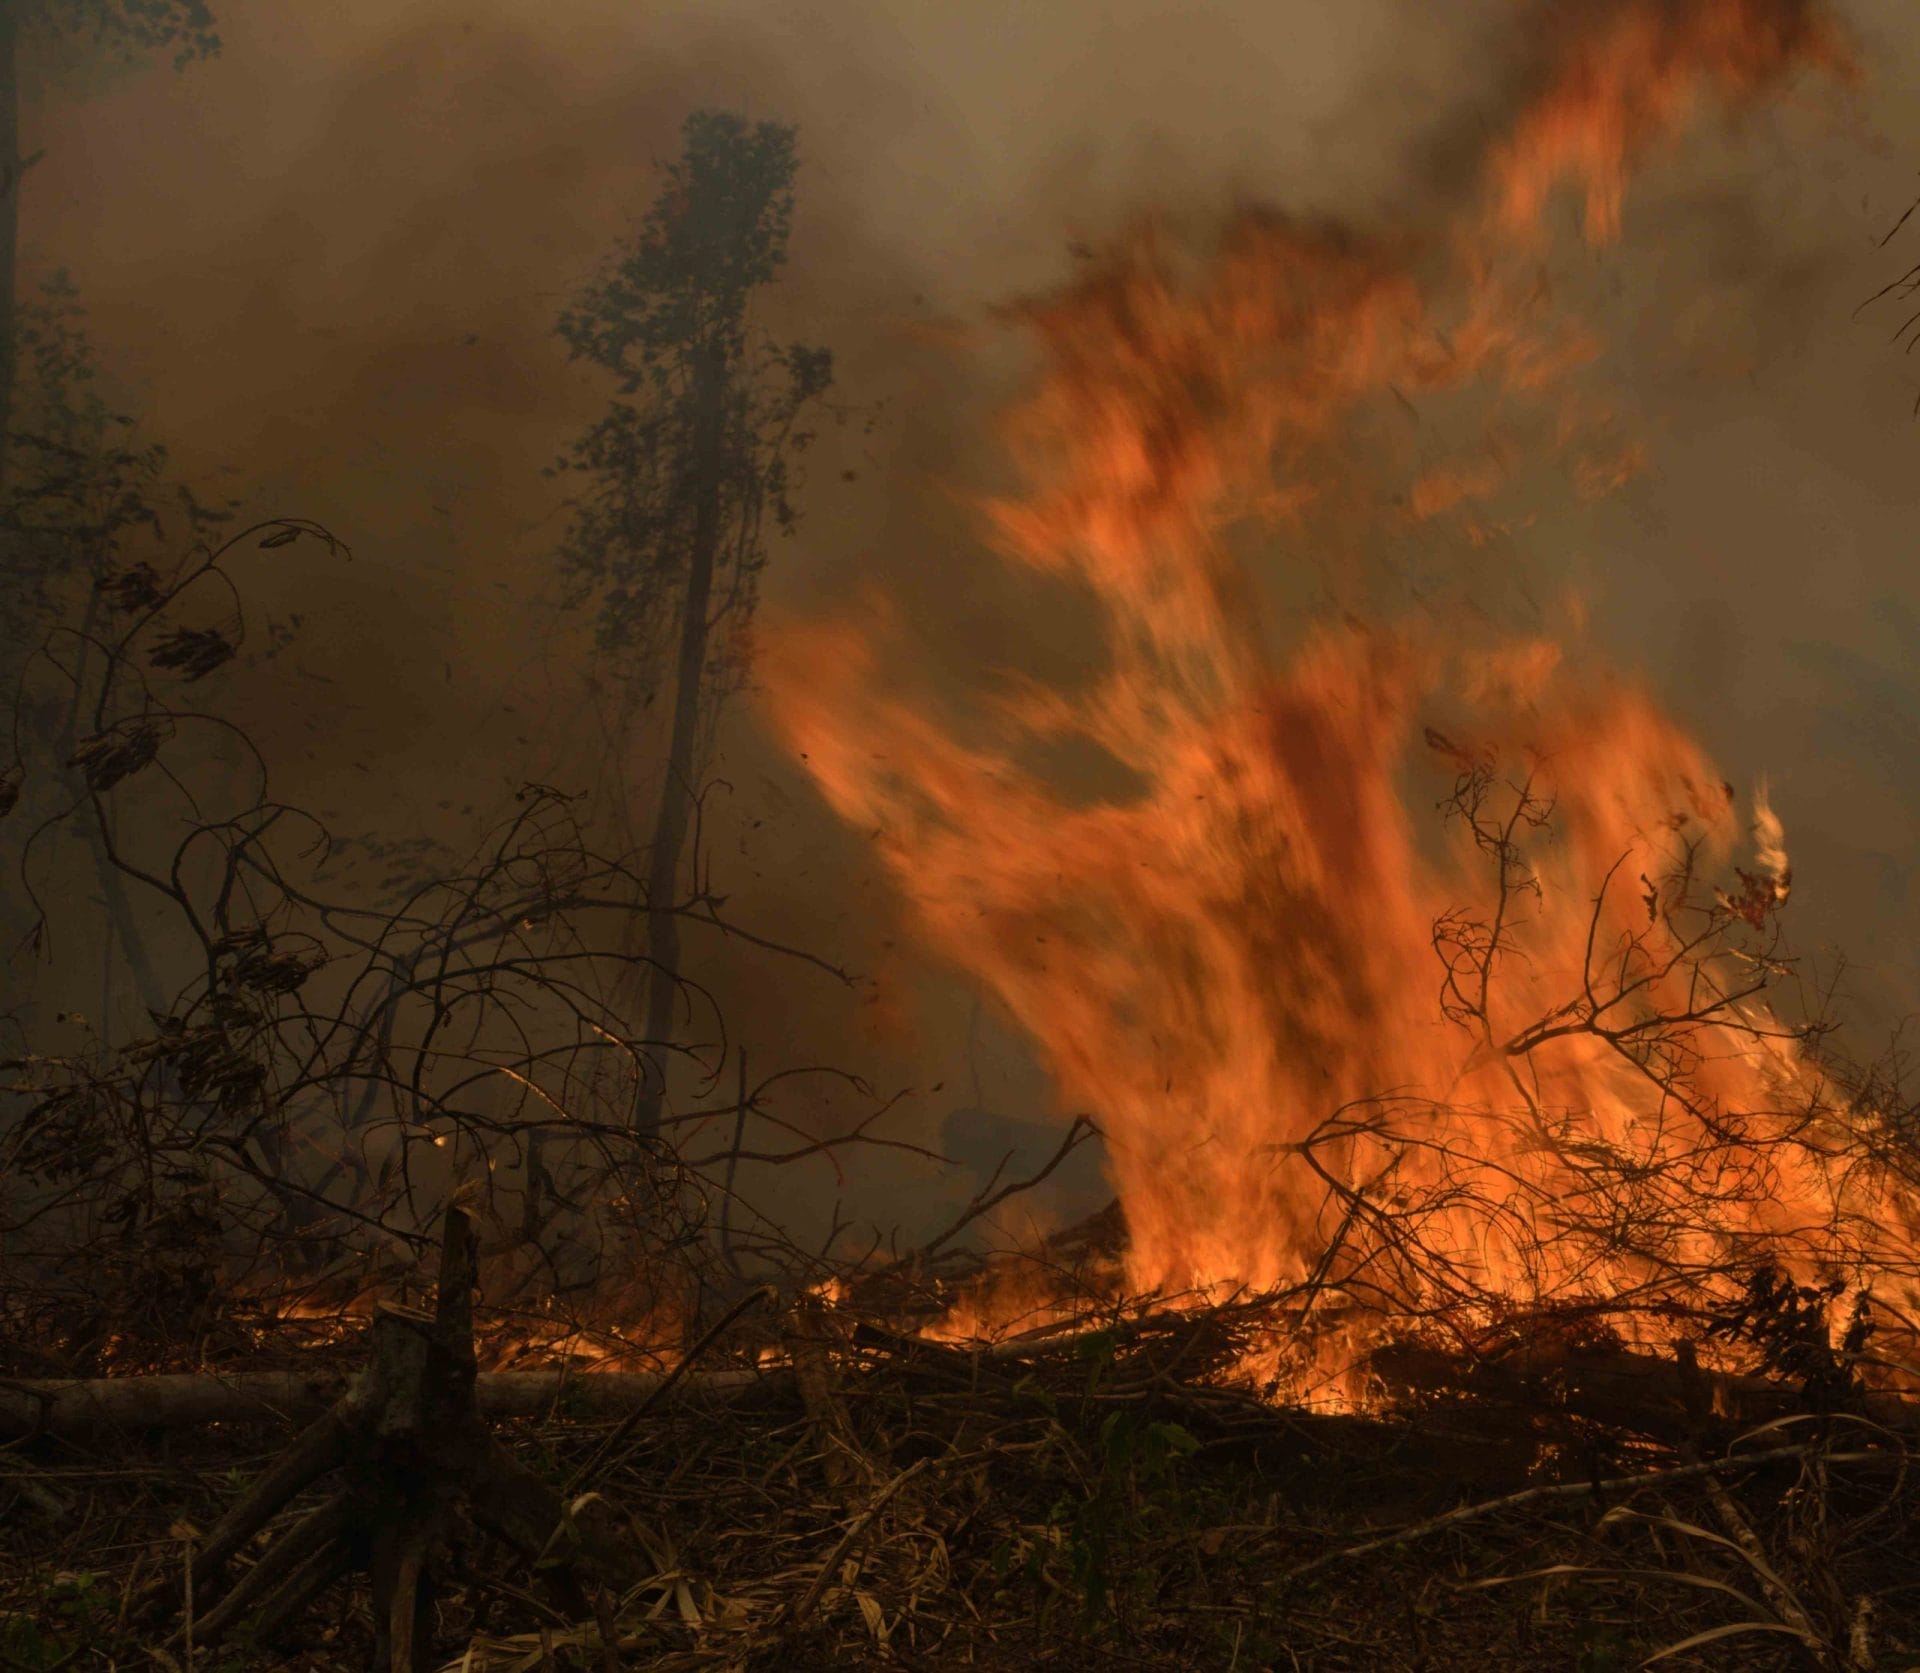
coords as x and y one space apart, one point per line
1098 1501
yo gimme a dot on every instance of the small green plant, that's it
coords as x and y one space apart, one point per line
1135 1482
23 1644
1604 1646
1128 1483
74 1608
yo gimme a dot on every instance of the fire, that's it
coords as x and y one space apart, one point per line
1621 77
1235 961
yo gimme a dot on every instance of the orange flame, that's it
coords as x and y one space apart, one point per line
1234 962
1624 76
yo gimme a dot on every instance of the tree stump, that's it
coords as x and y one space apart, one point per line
413 1460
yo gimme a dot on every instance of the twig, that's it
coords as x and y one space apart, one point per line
988 1199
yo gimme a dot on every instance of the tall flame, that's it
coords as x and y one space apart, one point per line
1528 1055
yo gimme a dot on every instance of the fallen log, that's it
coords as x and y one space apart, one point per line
1661 1397
185 1400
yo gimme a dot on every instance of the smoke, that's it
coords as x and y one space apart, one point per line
325 268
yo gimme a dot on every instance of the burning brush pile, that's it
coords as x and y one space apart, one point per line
1505 1268
1537 1058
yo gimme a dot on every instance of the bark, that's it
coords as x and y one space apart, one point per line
288 1556
410 1447
676 795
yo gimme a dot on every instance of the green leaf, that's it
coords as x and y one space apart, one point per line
1176 1439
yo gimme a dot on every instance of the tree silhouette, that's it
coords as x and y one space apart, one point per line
127 28
680 474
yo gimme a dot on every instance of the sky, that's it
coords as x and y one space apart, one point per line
325 266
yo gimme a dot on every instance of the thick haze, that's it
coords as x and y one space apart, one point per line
324 269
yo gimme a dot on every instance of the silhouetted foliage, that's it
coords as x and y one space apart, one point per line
1787 1321
126 27
676 302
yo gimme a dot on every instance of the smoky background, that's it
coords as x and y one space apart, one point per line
324 268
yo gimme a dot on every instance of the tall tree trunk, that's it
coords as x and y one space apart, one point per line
676 795
11 169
